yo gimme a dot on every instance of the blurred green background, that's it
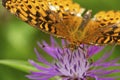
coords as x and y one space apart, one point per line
17 39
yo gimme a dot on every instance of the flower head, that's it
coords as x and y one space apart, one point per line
73 65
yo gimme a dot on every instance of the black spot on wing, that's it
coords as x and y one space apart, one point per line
49 26
29 6
37 14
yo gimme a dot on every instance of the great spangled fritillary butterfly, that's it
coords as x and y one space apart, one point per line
62 18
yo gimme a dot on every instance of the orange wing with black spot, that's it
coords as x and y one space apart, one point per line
56 17
62 18
103 29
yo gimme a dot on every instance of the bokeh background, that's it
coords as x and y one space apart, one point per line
18 39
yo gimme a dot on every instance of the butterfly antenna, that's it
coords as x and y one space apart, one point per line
86 18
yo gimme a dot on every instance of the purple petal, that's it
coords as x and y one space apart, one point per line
40 58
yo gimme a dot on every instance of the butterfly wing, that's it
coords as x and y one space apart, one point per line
104 28
55 17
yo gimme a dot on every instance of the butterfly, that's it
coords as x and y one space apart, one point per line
67 19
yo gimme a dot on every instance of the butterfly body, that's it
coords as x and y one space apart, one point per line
65 19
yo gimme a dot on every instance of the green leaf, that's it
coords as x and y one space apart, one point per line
19 64
56 78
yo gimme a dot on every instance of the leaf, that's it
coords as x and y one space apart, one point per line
19 64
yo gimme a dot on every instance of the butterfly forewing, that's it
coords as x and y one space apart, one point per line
105 28
107 18
57 17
